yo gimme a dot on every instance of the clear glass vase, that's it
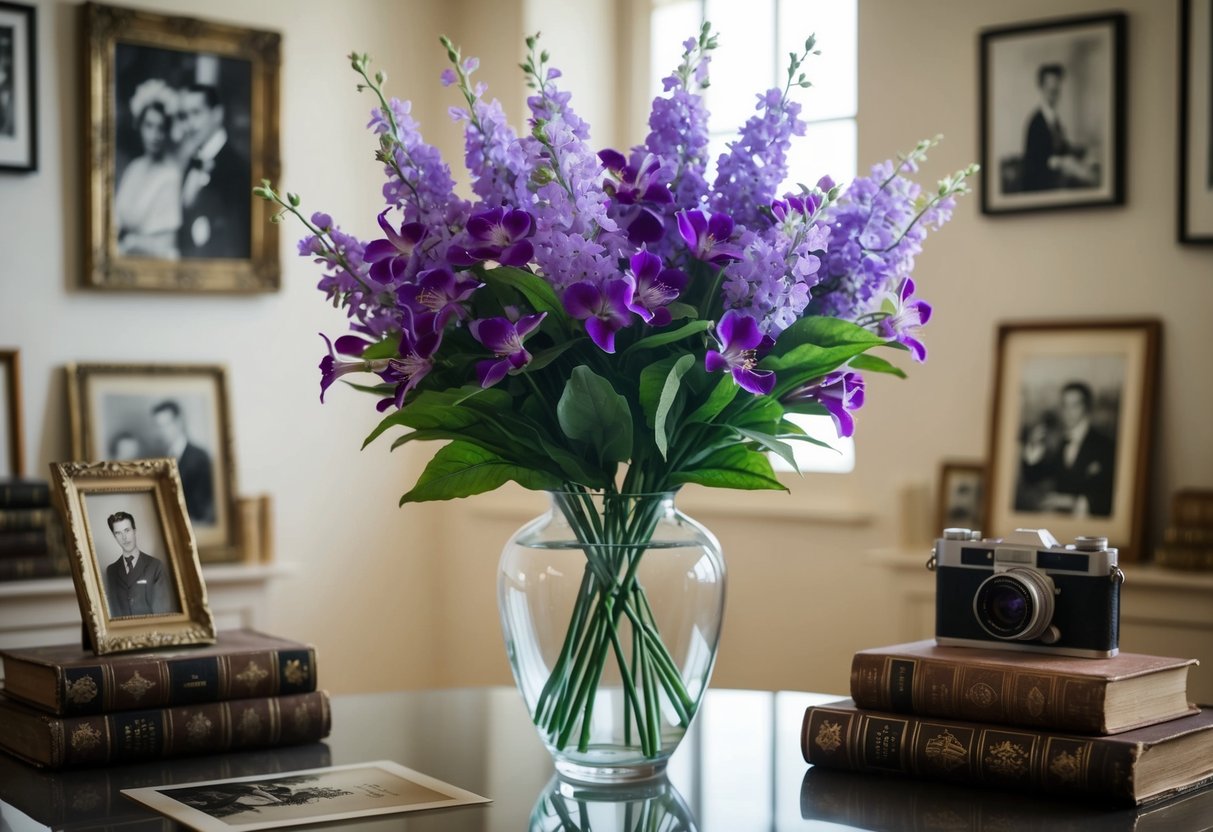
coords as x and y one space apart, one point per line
611 606
642 807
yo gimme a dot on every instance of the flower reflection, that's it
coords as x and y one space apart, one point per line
651 806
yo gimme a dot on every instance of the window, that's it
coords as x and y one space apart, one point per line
755 39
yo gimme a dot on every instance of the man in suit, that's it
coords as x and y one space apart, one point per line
193 463
216 193
1049 160
1081 470
136 583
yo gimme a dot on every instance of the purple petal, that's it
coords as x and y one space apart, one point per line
387 227
844 422
527 323
924 310
582 299
517 224
619 294
690 224
601 333
659 194
647 227
676 279
377 250
492 332
917 349
612 159
758 382
517 255
460 256
907 289
350 345
661 317
491 371
738 331
720 226
714 362
645 265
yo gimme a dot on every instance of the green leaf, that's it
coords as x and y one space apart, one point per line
545 357
721 396
380 390
652 382
448 409
461 469
772 444
537 291
824 332
680 310
387 348
590 410
668 337
734 466
875 364
669 393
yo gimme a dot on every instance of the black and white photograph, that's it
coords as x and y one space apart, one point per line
129 548
1196 122
1073 409
185 122
302 797
18 88
960 496
1053 114
12 442
124 412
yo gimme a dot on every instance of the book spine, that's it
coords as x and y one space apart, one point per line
1005 695
28 567
24 518
158 683
955 752
20 543
188 729
24 494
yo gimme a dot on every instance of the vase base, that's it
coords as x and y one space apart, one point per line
610 775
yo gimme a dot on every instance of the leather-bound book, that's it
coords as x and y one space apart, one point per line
1034 690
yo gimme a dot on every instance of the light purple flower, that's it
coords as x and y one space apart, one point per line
497 234
905 318
839 393
390 258
740 340
656 288
605 311
505 338
708 238
437 296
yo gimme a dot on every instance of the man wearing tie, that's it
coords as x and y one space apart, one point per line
1081 474
1049 160
136 583
216 193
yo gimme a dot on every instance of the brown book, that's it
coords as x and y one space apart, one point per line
133 736
70 681
1035 690
1130 768
25 518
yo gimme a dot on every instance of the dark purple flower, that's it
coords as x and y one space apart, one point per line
636 195
740 340
655 289
333 368
839 393
905 317
414 361
438 295
708 238
390 257
504 337
605 311
497 234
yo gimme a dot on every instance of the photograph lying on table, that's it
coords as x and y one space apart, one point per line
959 502
18 87
1053 114
11 440
133 559
183 121
1072 421
144 411
1196 122
299 797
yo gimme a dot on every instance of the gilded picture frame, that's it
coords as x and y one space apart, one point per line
1196 122
183 121
140 411
12 440
158 598
1072 430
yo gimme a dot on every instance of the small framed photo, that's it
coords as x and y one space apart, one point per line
1072 424
140 411
182 118
1196 122
133 558
1053 114
18 87
961 496
12 443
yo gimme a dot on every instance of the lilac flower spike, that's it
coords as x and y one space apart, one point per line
905 318
656 288
839 393
708 238
605 311
497 234
740 340
505 339
438 293
390 257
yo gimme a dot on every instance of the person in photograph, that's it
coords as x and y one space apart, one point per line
1050 161
125 445
135 583
193 463
8 125
147 202
215 194
1076 467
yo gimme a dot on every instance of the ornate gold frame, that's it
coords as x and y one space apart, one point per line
220 546
71 483
104 27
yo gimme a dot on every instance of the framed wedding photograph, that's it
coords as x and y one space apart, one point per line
183 121
1196 122
1072 427
121 412
1053 114
960 497
18 87
12 442
133 558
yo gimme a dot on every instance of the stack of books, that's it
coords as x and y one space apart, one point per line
64 706
1188 542
1115 730
31 535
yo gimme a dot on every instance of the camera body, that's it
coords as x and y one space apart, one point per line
1027 592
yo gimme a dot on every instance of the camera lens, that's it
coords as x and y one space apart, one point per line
1015 605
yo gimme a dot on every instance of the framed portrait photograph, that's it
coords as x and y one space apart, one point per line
120 412
18 87
12 442
133 558
1072 425
959 503
1196 122
1053 114
183 117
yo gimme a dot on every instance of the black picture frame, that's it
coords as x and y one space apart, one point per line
18 88
1196 122
1053 110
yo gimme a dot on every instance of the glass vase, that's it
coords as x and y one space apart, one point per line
611 606
650 806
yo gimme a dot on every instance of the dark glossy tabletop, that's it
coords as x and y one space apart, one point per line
739 768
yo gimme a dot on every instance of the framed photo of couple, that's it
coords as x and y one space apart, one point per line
1073 421
183 121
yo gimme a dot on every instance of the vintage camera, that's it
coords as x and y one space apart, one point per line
1027 592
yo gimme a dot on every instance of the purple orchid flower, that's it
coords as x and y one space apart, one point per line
708 238
497 234
839 393
333 368
636 194
438 295
740 342
505 338
605 311
905 318
655 288
390 258
414 361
